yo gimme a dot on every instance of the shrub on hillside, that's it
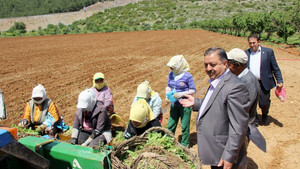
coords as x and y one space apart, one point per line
74 28
158 26
17 29
146 26
52 29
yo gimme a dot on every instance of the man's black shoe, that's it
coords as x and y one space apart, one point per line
264 118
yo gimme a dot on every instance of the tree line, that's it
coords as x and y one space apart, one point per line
18 8
283 23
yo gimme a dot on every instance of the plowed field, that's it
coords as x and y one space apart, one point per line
65 65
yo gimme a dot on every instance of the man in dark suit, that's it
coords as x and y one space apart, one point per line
222 120
262 63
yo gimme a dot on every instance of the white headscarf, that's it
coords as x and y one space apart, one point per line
144 90
39 91
87 99
179 64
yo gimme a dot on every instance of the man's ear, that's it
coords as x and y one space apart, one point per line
226 63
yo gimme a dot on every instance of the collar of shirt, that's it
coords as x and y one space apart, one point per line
243 73
215 82
177 77
258 51
213 85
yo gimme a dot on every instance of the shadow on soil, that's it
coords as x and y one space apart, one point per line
251 164
270 120
193 139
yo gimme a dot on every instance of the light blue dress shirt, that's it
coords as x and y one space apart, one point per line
213 85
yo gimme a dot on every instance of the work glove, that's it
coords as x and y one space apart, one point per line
53 131
75 133
87 142
129 132
95 133
127 135
178 95
181 94
23 123
41 128
167 100
73 140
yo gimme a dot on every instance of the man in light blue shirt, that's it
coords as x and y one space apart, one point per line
222 121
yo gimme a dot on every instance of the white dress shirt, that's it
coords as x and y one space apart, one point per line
255 62
243 73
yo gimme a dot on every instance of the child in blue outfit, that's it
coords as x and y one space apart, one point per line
182 81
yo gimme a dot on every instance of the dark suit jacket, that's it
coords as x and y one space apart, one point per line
268 68
221 130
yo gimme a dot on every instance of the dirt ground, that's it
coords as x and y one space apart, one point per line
65 65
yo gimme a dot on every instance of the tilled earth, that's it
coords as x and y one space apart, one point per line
65 65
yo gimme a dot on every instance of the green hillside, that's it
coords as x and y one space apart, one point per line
275 20
174 14
18 8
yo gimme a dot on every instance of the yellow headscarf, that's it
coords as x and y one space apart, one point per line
98 86
141 112
179 64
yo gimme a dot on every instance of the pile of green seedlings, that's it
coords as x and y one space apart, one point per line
162 145
23 132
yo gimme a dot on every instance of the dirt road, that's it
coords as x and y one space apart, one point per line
65 65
